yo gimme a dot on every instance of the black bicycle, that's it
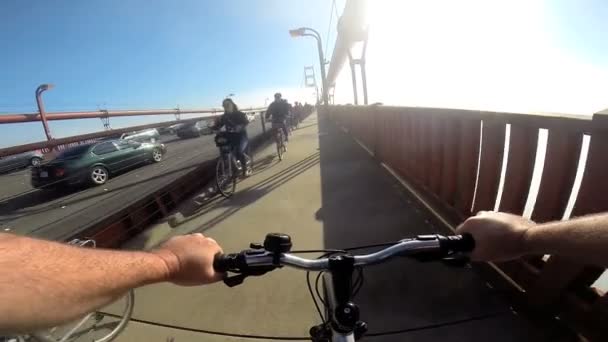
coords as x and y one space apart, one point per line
279 139
228 166
340 320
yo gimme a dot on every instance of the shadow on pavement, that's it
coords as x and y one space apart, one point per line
264 164
302 127
33 198
243 197
362 204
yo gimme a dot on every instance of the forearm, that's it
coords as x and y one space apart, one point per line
584 239
45 283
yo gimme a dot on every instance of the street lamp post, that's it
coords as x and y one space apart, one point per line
307 31
45 124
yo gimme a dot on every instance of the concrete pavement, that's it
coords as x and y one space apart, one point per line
326 193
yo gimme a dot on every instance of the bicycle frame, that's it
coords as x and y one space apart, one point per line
228 158
278 133
330 297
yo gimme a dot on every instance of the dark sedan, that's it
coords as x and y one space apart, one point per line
94 163
21 160
194 130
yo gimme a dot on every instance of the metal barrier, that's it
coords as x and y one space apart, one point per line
455 159
61 143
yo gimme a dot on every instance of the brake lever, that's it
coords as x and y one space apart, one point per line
234 280
452 260
238 278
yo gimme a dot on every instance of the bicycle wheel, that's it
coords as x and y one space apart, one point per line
279 143
249 158
224 177
94 327
283 144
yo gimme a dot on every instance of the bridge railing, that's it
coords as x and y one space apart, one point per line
62 143
455 159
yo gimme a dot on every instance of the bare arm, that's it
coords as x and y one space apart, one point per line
501 236
44 283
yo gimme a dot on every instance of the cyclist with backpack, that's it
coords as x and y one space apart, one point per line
235 123
278 111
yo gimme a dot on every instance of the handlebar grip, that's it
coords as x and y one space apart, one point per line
222 262
459 243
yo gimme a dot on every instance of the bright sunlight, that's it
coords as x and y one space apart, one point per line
488 55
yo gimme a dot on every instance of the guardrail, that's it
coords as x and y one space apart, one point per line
454 158
47 145
102 113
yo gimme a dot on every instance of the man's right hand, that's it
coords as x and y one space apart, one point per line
498 236
189 259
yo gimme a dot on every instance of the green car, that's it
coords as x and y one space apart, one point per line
94 163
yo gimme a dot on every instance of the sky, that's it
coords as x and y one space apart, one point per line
143 54
521 56
524 56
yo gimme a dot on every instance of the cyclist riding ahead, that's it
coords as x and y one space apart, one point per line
279 111
235 123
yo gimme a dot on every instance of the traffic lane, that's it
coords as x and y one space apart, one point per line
76 211
14 183
82 208
32 200
18 181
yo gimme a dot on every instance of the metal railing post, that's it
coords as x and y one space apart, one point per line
41 88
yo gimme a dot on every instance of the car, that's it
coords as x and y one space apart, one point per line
147 135
164 130
171 129
251 117
95 163
194 130
21 160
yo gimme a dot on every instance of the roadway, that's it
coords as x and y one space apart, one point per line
52 214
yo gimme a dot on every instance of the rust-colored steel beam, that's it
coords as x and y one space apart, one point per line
28 117
42 88
97 135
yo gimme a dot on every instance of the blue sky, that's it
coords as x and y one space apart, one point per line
148 54
515 55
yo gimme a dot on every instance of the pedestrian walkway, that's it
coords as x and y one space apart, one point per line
326 193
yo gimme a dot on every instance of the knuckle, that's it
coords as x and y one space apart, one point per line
472 221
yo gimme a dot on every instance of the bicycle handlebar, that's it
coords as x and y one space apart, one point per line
259 260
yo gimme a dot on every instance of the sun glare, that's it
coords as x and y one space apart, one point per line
473 54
